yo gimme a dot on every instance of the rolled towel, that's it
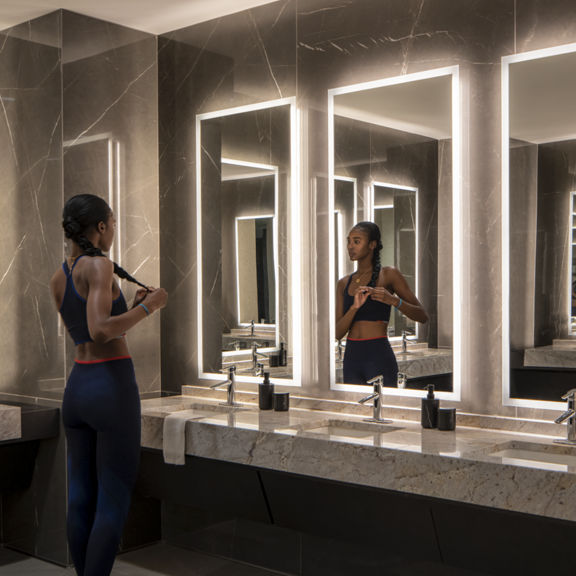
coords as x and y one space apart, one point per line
174 436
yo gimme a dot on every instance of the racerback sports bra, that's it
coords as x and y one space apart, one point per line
73 308
371 310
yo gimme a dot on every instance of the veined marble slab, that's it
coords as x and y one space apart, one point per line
552 356
10 422
473 465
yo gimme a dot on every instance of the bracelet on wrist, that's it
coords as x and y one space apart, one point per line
400 301
145 308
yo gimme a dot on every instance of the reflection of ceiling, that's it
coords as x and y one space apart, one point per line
420 107
146 15
232 171
542 99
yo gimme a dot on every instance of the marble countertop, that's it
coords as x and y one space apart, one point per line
516 471
10 422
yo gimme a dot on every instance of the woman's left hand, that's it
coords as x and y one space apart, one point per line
380 294
139 296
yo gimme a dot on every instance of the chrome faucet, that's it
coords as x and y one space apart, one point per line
231 387
257 367
376 398
570 415
405 340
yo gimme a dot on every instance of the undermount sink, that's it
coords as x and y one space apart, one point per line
534 455
349 428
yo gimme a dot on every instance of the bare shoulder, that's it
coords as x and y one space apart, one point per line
388 273
342 282
58 286
95 272
57 280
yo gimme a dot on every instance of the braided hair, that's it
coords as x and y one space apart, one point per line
82 212
373 233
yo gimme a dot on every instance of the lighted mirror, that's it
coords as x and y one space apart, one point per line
92 166
248 243
538 223
256 271
398 141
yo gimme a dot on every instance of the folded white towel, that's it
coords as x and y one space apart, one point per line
174 436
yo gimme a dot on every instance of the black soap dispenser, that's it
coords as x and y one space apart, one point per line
283 355
430 404
266 393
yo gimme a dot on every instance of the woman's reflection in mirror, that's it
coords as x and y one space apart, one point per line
363 304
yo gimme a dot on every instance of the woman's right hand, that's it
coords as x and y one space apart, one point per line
155 299
360 296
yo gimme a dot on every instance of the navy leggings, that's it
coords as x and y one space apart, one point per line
366 359
101 414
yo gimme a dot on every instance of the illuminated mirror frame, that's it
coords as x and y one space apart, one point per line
114 192
260 171
507 400
373 206
275 264
340 242
453 72
294 207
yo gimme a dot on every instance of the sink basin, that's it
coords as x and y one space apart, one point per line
534 455
241 418
349 429
193 410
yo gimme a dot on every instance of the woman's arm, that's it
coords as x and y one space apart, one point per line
102 326
401 296
344 321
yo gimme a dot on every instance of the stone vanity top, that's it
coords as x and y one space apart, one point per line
514 471
10 422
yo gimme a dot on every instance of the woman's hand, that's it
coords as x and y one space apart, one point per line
360 296
140 295
380 294
155 299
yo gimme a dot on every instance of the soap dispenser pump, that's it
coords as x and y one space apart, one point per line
430 405
283 355
266 393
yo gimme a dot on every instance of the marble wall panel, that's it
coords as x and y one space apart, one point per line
240 59
343 43
110 107
30 179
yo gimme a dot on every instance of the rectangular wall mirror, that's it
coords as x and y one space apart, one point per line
248 243
395 148
538 226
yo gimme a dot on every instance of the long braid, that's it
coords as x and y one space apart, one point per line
80 212
376 266
90 250
373 233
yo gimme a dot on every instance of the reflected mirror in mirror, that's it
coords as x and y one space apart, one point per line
248 309
256 270
538 226
395 213
398 140
92 166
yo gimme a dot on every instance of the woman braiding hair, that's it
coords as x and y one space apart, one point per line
101 405
364 300
80 213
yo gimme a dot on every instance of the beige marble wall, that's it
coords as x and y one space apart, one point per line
305 48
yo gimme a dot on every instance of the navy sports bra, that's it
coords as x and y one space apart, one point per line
371 310
73 308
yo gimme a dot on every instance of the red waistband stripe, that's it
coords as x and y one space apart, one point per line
100 360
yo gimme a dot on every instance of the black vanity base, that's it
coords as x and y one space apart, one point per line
305 526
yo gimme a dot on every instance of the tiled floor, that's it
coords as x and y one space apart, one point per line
158 560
